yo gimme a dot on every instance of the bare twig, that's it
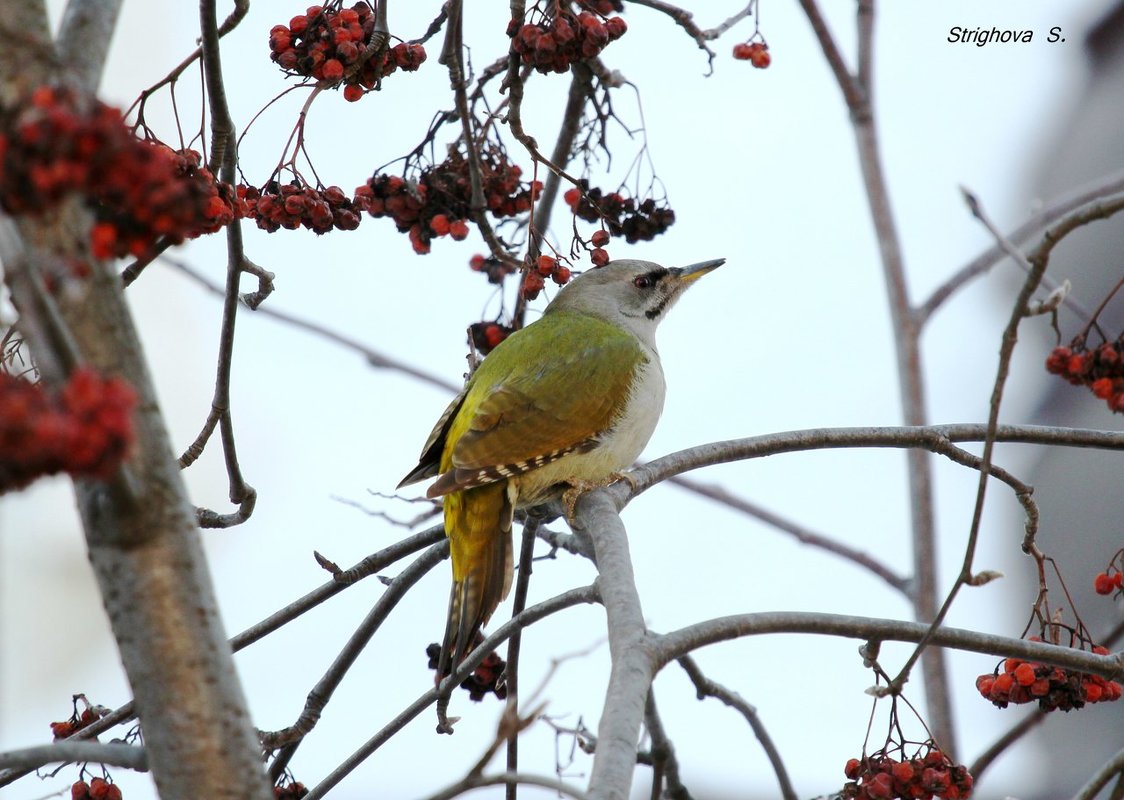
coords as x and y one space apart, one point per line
223 161
1038 258
322 692
1113 768
705 687
511 674
509 779
373 357
587 594
1103 189
857 92
802 534
665 764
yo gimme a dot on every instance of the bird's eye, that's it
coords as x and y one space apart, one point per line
642 281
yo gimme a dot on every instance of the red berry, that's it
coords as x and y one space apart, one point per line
532 285
1024 674
1104 584
853 768
439 224
1058 360
546 265
742 51
458 229
332 70
561 275
616 27
902 771
984 683
599 238
572 196
880 787
599 257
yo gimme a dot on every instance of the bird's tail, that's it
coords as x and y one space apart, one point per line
478 523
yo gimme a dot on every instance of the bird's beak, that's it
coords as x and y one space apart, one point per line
687 275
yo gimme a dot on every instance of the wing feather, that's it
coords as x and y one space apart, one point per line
524 410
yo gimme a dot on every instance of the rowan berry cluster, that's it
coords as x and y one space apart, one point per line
156 192
327 43
1101 369
555 42
290 791
1053 687
85 430
439 201
623 216
535 275
487 678
292 206
882 777
96 789
486 335
56 143
77 721
491 266
548 267
756 53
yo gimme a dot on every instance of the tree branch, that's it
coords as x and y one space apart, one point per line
127 756
858 95
585 594
673 645
705 687
633 666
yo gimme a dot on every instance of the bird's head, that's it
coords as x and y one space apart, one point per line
635 295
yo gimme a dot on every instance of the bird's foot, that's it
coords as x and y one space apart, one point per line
580 487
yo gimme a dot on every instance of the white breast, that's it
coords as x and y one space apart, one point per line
620 447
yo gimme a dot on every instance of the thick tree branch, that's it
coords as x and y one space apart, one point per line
84 36
630 677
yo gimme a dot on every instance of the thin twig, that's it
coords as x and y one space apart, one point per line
802 534
586 594
1038 258
857 92
511 673
1103 189
1113 768
509 779
705 687
665 764
321 694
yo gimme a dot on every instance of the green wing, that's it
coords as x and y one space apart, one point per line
549 390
